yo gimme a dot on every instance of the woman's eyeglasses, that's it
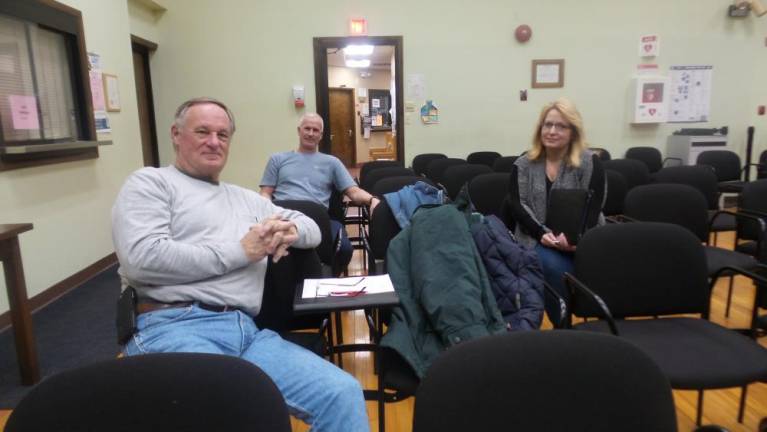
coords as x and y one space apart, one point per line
558 127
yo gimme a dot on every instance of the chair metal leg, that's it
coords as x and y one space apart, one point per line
381 414
329 339
742 408
339 337
699 415
754 333
729 298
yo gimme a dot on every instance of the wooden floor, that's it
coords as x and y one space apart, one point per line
721 406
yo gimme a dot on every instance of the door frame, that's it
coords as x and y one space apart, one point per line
144 48
353 121
321 45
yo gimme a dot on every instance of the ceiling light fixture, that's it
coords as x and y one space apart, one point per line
359 50
357 63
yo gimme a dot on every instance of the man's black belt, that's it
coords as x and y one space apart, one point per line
145 306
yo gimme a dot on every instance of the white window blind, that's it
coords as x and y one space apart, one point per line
45 75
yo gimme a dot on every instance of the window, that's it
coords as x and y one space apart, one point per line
45 108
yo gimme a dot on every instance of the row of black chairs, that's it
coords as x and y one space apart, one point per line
380 246
468 388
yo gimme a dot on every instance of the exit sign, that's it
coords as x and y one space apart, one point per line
358 27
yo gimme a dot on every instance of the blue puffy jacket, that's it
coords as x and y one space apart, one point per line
515 274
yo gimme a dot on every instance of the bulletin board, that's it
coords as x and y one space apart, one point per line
690 95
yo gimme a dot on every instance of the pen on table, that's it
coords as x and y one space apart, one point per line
348 293
342 284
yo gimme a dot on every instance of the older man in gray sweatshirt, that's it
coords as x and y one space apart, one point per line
195 249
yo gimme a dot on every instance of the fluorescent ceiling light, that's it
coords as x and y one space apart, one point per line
357 63
359 50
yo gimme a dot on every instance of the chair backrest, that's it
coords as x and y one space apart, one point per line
616 193
635 172
650 156
678 204
421 161
503 164
487 192
373 176
700 177
753 197
483 158
393 184
726 163
604 155
367 167
642 269
761 171
521 382
282 280
383 227
436 168
458 175
320 216
336 206
161 392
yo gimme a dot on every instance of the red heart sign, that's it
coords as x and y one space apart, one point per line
652 111
648 47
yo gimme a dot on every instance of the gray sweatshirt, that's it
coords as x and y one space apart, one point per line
178 238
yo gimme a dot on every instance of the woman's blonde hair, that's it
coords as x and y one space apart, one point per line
577 138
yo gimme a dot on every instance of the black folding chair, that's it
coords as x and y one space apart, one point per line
483 158
155 392
554 381
503 164
650 269
421 161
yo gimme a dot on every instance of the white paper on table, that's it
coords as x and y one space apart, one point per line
331 287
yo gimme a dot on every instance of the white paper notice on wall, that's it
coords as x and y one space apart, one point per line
649 46
24 112
416 87
690 95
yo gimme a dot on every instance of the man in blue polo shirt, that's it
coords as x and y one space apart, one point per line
307 174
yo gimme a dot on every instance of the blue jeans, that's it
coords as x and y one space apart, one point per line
554 264
315 390
345 251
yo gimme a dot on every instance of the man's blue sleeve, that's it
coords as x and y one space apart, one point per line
271 173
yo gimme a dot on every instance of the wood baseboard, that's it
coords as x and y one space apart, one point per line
63 287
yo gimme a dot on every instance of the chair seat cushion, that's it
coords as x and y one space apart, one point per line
716 258
694 353
748 248
723 221
731 186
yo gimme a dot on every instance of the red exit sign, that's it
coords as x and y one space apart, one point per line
358 27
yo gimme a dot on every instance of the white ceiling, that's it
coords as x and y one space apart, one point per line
380 59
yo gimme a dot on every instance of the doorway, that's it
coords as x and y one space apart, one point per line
368 126
141 51
343 142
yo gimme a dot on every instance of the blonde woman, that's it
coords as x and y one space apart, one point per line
558 159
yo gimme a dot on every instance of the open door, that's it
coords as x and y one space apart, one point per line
322 47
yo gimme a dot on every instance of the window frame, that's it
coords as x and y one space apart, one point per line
54 16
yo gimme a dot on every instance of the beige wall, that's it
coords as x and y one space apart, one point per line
251 53
474 68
